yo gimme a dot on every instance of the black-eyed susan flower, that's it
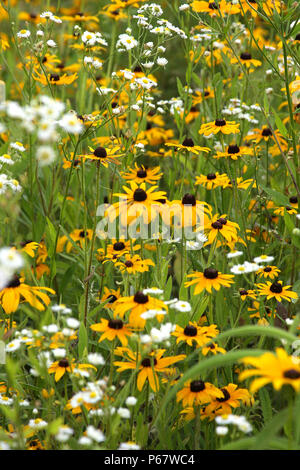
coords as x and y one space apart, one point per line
268 272
29 247
137 305
212 348
232 397
253 6
234 151
149 367
59 368
134 264
293 200
200 96
197 392
17 291
219 125
285 209
210 279
103 155
137 201
211 180
194 334
118 248
187 212
212 8
222 228
247 293
265 134
240 183
276 368
54 78
247 60
111 329
79 236
188 145
142 174
277 291
110 296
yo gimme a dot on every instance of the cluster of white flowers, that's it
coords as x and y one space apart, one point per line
91 39
49 16
240 421
126 42
159 335
64 433
239 110
245 268
152 9
8 183
93 61
43 116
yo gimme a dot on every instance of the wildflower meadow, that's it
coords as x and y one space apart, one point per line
149 225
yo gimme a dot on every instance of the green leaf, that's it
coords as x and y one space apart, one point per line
265 404
280 125
276 196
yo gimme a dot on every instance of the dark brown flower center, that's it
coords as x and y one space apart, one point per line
217 225
188 143
188 200
211 176
267 269
118 246
63 363
210 273
15 282
141 173
190 330
222 220
197 386
276 288
212 6
115 324
139 195
22 244
232 149
82 234
100 152
220 122
266 132
226 395
243 292
111 298
293 199
149 361
128 264
246 56
140 298
292 374
54 77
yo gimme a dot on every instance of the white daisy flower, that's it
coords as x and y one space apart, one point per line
45 155
263 259
24 33
182 306
124 413
95 434
18 146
